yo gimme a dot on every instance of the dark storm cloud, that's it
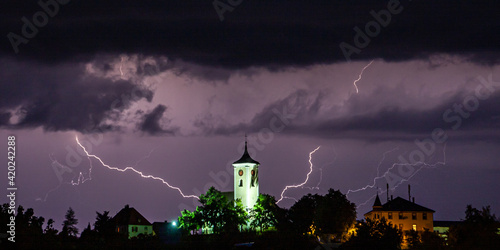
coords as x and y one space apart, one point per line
62 98
298 114
151 122
267 33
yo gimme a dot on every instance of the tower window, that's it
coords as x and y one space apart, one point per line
240 172
241 183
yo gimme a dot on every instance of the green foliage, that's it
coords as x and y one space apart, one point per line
477 231
374 234
266 213
216 212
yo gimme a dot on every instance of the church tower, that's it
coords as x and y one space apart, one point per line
246 179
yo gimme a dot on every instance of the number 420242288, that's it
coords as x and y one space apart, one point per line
11 160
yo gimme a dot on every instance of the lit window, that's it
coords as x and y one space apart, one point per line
424 216
400 216
414 227
241 183
413 216
390 216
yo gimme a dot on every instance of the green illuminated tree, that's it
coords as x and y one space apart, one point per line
216 212
266 213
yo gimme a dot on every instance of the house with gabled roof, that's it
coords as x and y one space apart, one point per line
403 214
130 222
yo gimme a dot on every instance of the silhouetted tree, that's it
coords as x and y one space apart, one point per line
69 224
302 213
374 234
104 224
335 214
332 214
426 240
477 231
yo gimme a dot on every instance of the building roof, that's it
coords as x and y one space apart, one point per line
377 202
245 158
400 204
130 216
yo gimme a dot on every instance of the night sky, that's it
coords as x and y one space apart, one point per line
172 87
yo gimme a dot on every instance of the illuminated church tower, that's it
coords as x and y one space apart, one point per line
246 179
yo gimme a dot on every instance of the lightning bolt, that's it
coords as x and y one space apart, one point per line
321 171
301 184
420 164
121 63
383 158
135 171
361 75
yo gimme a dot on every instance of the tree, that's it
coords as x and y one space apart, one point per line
266 213
69 224
104 224
335 214
216 212
332 214
49 228
375 234
189 221
427 240
301 214
477 231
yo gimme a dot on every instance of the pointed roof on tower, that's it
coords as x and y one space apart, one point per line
245 158
377 202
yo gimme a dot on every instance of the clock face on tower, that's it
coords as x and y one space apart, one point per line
240 172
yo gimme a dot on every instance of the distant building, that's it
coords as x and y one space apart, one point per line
129 221
403 214
442 227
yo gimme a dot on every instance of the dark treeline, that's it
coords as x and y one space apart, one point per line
315 220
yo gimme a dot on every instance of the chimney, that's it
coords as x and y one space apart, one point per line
409 195
387 185
413 199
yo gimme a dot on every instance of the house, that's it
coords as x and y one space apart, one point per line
403 214
129 221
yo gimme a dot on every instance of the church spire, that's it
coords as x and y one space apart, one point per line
245 158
